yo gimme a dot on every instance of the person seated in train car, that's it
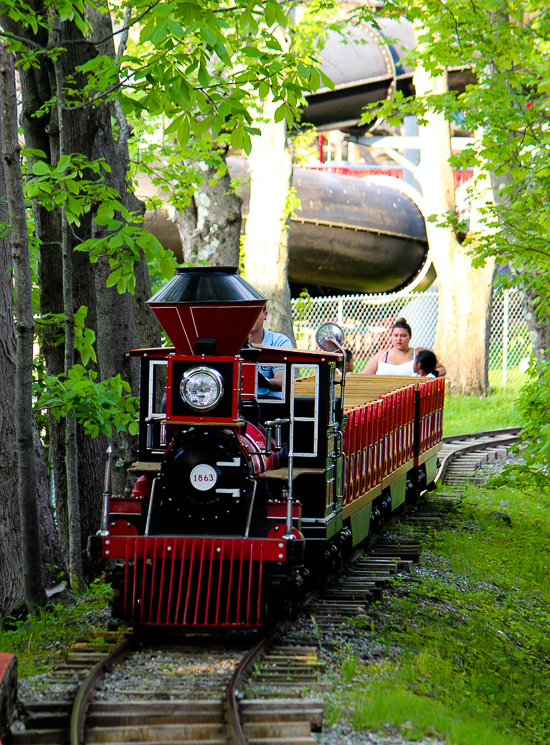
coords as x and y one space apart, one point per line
349 361
399 358
270 379
425 364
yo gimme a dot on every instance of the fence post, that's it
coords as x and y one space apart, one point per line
340 320
505 336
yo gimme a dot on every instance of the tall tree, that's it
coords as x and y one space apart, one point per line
272 199
70 81
35 593
30 555
505 46
464 291
266 241
50 136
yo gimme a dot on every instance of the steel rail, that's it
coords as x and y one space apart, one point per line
487 433
233 724
471 448
86 690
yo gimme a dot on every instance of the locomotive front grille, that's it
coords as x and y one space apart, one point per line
193 582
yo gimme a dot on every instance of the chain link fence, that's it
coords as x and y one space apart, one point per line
367 322
510 343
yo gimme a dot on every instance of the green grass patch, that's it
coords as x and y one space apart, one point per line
389 700
41 642
472 414
463 645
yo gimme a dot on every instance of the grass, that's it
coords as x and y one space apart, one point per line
464 644
472 414
43 641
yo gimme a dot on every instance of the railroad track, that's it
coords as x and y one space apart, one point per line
109 691
188 693
201 691
462 456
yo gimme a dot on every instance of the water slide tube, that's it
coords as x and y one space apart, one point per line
351 234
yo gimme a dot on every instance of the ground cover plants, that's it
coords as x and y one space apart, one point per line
472 414
41 642
460 650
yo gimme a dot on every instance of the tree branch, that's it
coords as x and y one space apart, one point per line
115 33
124 37
23 40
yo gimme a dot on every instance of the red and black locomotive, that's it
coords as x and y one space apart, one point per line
242 502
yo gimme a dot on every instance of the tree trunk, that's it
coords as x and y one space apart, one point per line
84 130
116 326
71 446
210 227
35 593
268 221
39 537
42 133
464 292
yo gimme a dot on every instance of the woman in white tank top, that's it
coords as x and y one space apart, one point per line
402 368
399 358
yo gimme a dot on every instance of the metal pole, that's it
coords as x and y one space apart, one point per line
505 337
107 493
340 320
288 534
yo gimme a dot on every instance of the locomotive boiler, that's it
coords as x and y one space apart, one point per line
242 502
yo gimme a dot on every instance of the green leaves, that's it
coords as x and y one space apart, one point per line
84 338
40 168
52 326
280 113
103 406
124 247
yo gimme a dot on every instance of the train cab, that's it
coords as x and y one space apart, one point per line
310 432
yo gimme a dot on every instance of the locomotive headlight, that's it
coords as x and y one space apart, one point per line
201 388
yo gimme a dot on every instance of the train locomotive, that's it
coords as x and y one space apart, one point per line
241 503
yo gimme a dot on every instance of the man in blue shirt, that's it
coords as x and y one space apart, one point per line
270 379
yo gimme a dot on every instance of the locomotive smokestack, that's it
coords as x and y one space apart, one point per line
207 310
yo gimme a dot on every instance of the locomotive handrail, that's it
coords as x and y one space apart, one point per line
275 424
150 508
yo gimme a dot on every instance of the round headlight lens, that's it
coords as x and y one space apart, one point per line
201 388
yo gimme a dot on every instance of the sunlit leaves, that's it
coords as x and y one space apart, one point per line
219 57
99 406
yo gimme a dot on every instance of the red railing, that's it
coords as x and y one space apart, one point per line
460 177
378 439
432 401
194 582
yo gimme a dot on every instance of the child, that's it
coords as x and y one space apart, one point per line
425 363
349 361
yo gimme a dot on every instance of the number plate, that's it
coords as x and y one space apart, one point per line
203 477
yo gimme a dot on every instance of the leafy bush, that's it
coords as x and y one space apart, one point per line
534 406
